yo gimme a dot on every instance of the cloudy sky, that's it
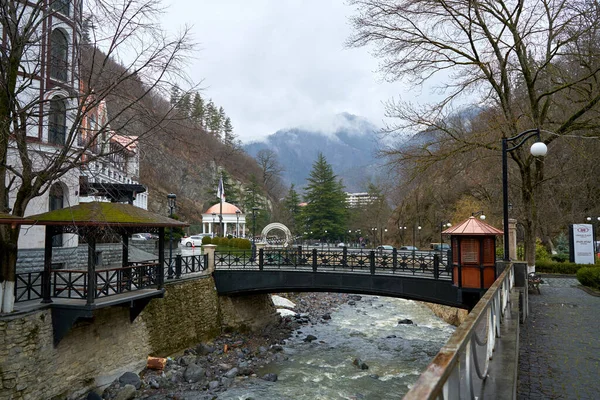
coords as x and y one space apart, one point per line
275 64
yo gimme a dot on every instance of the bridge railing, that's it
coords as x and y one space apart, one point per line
462 365
422 264
73 283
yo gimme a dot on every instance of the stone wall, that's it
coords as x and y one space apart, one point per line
451 315
94 353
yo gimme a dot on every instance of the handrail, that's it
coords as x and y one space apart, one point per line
442 378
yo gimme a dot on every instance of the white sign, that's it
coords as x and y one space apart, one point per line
583 243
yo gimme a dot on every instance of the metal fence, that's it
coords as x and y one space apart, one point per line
462 365
74 283
423 264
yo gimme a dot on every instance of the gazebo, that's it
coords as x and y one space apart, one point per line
230 216
75 293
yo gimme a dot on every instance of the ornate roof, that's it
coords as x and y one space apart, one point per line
104 214
472 226
228 208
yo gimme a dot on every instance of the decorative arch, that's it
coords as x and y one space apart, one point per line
279 226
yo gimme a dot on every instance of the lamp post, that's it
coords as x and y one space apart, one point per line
254 210
538 149
401 231
374 234
381 235
171 200
237 224
590 220
213 224
443 224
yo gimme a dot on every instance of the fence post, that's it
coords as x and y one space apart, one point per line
178 266
394 259
46 275
372 261
261 259
210 257
345 257
436 266
314 260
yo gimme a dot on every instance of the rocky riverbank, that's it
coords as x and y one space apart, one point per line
204 371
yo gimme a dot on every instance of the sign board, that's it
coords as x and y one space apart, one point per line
582 243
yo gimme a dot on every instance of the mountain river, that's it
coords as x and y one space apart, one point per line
395 354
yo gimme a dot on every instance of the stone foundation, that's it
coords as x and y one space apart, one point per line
451 315
94 353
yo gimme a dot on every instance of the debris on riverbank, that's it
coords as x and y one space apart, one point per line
203 371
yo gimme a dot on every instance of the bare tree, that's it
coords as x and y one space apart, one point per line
271 169
119 56
530 64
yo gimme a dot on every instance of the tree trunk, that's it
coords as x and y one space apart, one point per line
9 237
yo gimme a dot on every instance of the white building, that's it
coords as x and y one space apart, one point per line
358 199
234 221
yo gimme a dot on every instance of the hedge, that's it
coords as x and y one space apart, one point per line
589 276
552 267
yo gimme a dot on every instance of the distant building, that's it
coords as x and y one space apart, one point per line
355 200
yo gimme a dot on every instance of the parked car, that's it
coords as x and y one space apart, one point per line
194 240
440 246
139 236
385 247
410 248
341 244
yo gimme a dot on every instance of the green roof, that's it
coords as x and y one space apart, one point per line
105 214
9 219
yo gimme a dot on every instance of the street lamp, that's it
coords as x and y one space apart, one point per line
589 219
237 225
381 235
538 149
254 210
213 224
171 200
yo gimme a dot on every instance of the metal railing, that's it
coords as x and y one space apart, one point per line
421 264
461 366
74 283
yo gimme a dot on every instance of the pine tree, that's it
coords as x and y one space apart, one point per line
175 95
228 135
198 110
326 211
185 104
254 205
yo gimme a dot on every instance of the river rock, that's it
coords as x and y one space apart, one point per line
212 385
360 364
309 338
355 297
390 337
93 396
194 373
232 373
204 349
282 302
126 393
187 360
270 377
130 378
326 316
405 321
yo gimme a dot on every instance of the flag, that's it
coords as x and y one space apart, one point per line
220 191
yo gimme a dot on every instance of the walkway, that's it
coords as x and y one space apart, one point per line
560 343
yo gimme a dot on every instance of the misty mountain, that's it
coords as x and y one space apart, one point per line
350 146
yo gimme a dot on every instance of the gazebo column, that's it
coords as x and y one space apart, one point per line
125 249
46 284
91 283
124 276
225 230
161 257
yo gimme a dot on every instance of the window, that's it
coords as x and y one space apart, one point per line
59 55
61 6
56 202
57 121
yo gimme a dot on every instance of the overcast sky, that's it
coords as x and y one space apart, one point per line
275 64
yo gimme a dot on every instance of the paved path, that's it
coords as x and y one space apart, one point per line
560 344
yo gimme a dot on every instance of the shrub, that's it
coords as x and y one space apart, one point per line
589 276
245 244
224 241
551 267
206 240
540 251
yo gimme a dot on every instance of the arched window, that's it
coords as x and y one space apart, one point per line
61 6
56 202
59 55
57 121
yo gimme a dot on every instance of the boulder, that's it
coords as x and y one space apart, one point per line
93 396
232 373
194 373
282 302
360 364
326 316
130 378
270 377
309 338
405 321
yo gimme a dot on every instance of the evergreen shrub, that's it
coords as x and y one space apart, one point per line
589 276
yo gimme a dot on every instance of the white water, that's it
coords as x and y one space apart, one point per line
323 369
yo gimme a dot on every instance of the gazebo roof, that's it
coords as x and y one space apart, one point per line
472 226
106 214
228 208
6 219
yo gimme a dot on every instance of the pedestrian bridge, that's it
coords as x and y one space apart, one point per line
423 276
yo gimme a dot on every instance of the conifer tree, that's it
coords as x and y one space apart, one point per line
175 95
326 211
293 212
228 135
198 110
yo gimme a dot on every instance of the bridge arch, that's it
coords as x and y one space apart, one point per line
278 226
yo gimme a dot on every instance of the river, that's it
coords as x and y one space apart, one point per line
395 353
